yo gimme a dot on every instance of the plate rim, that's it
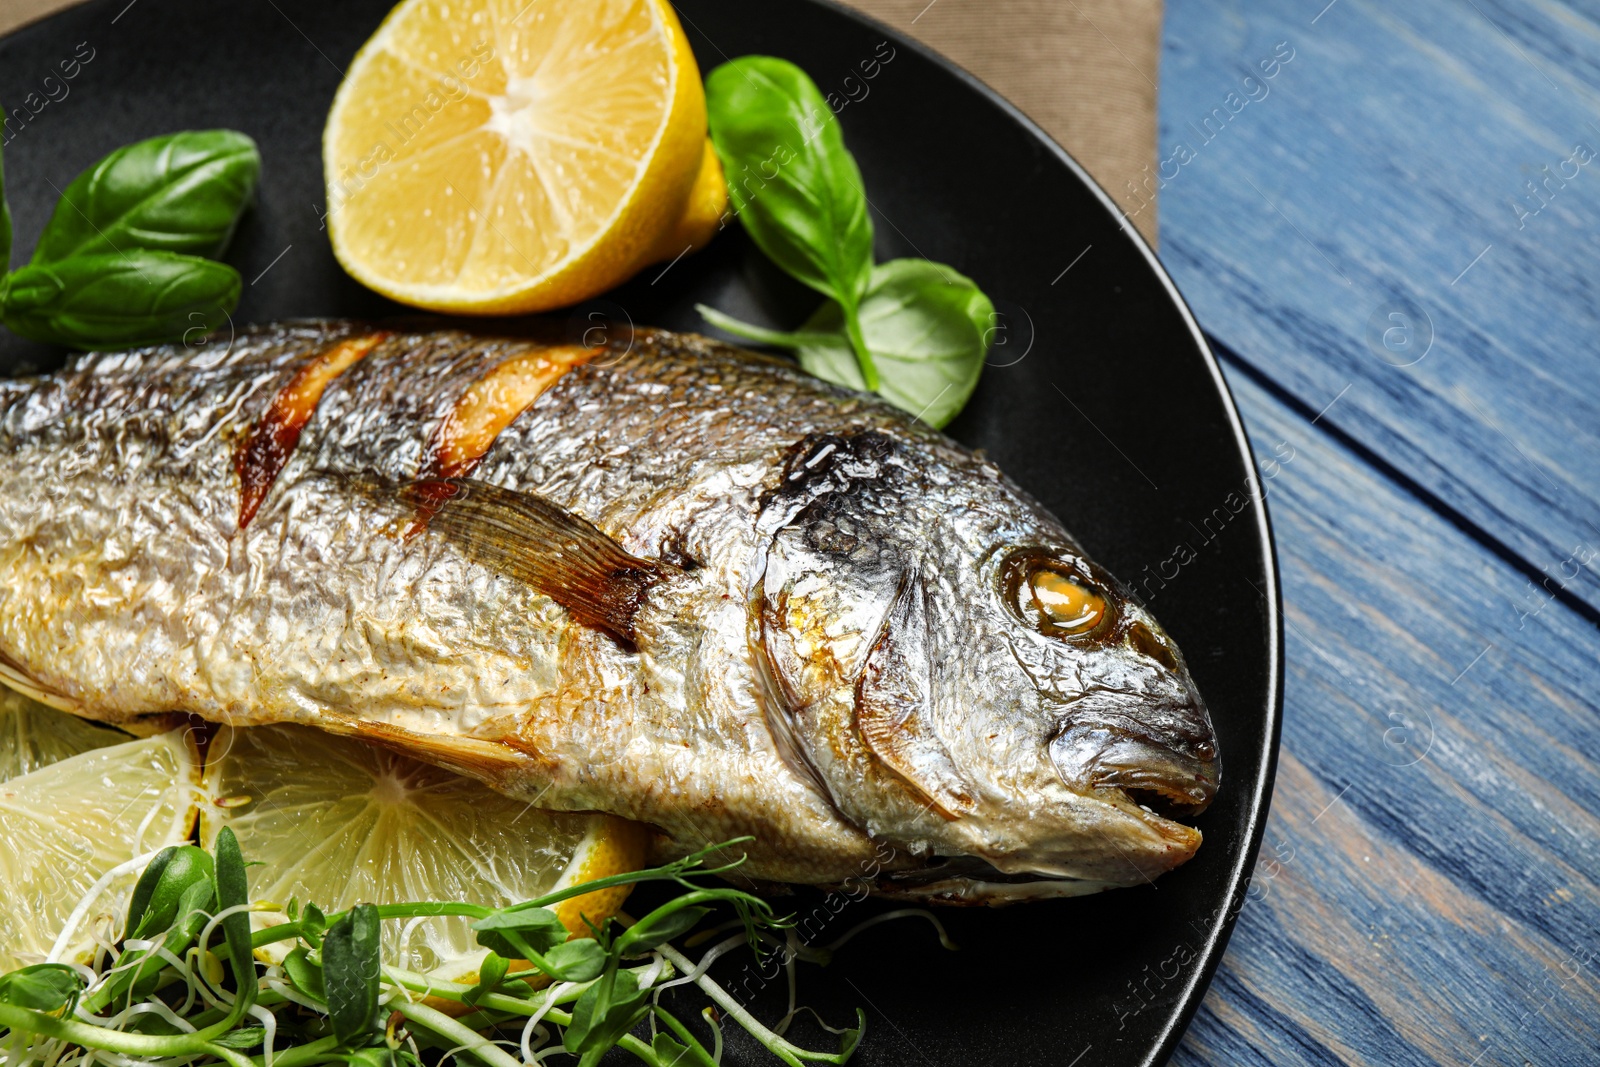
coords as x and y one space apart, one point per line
1216 942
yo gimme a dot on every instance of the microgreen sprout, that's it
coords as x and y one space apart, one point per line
187 984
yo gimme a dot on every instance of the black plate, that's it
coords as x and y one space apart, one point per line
1102 399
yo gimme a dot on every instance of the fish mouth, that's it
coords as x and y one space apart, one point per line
1153 767
1174 777
1157 779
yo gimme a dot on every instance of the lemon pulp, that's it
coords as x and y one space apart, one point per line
338 821
34 736
76 834
508 156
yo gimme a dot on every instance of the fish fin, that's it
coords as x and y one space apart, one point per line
893 695
14 675
495 762
527 538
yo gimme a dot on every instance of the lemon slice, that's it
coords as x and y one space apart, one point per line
75 836
509 156
336 821
34 736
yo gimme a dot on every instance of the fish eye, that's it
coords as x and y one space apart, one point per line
1053 597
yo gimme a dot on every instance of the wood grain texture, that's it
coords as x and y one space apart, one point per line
1437 524
1408 160
1437 527
1429 887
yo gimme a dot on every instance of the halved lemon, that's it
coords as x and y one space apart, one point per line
34 736
509 156
703 214
336 821
76 835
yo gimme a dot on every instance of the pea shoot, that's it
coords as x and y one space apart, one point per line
174 991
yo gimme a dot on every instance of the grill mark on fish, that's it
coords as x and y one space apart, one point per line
482 412
492 403
266 451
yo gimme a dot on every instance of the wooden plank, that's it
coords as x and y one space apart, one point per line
1429 887
1395 165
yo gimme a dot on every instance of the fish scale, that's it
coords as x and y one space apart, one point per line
683 584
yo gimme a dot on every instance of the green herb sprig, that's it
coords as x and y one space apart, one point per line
128 256
912 330
174 992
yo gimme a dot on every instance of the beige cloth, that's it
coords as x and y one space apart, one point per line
1085 70
14 13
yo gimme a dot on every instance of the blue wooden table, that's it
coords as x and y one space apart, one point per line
1384 216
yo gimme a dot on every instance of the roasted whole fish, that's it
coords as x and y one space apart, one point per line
670 579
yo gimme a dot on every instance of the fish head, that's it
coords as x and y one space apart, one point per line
969 687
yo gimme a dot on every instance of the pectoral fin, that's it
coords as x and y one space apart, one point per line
14 675
527 538
893 698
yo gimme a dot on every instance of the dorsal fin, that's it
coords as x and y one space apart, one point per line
525 537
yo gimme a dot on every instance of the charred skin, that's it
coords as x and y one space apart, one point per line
823 646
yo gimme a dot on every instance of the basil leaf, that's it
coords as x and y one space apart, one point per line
42 987
350 973
179 193
927 328
793 183
233 891
119 301
926 325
